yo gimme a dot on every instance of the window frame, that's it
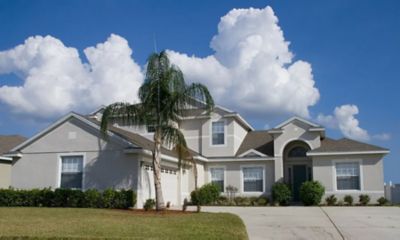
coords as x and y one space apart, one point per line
60 156
225 133
334 176
149 127
242 178
210 176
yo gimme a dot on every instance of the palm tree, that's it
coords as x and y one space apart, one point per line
164 96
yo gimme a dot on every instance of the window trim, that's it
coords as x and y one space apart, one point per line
218 167
242 178
150 126
60 156
225 132
334 176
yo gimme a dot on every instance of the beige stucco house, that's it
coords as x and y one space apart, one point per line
72 153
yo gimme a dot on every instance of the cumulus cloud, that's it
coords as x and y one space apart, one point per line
252 69
344 119
55 80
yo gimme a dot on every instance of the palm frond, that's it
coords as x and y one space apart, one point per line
125 113
173 137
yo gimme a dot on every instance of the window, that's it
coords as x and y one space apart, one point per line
217 178
151 129
253 179
348 176
71 172
298 152
218 133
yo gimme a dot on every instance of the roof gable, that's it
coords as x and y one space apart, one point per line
296 118
59 123
259 142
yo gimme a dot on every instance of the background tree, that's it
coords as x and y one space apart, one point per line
164 97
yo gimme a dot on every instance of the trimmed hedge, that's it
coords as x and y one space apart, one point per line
91 198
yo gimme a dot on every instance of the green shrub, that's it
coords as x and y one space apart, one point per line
67 198
262 201
253 201
205 195
348 199
149 204
331 200
246 202
363 199
92 199
108 198
281 193
223 201
130 197
311 193
382 201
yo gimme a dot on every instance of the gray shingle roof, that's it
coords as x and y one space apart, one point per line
345 145
139 140
260 141
9 142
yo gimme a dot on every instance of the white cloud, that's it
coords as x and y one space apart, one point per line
252 69
382 136
55 80
344 119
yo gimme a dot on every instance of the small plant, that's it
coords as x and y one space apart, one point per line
348 199
364 199
262 201
331 200
231 191
281 194
184 206
149 204
382 201
311 193
340 203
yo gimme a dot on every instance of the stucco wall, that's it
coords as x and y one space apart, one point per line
371 172
233 174
5 174
105 164
293 131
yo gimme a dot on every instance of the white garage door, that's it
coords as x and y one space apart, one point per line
169 184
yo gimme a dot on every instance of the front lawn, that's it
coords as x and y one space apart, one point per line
116 224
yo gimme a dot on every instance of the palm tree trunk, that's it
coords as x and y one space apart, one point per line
195 173
157 172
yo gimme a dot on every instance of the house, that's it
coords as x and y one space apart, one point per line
6 144
72 153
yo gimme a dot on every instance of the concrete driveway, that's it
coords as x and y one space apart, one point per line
318 223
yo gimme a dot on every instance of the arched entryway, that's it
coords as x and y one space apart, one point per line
297 166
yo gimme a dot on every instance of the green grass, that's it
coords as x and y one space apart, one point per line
74 223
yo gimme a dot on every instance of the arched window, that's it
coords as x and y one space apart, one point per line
297 152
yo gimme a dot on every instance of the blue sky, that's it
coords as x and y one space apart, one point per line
351 46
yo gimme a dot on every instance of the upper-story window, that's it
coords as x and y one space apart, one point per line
298 152
218 133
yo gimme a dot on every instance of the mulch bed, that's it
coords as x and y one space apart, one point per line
154 212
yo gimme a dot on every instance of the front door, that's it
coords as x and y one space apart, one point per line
299 176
